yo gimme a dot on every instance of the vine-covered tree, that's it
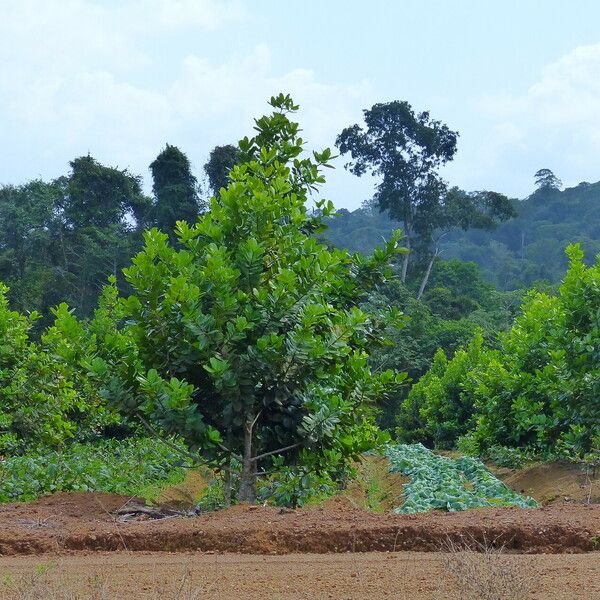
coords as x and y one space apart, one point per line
175 189
250 337
220 162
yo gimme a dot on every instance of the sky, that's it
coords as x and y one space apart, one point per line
518 79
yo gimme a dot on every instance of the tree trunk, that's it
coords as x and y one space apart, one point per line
426 276
227 486
247 491
405 259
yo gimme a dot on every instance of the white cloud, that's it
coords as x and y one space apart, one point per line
557 118
80 76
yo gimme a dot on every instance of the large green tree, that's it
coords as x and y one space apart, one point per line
220 162
405 150
250 337
175 189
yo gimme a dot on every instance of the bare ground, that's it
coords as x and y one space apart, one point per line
83 522
373 576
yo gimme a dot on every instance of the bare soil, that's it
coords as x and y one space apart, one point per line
372 576
84 522
554 483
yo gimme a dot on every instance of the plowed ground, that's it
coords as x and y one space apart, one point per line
80 522
368 576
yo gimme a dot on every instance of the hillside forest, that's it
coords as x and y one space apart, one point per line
262 333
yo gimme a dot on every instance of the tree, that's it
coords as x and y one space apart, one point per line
405 149
174 189
99 196
249 339
96 235
28 224
220 162
545 179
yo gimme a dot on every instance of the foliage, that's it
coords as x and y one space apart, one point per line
220 162
134 467
442 483
45 396
542 391
174 189
457 305
61 240
440 407
248 340
295 486
539 391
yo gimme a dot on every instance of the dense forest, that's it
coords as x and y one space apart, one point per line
524 250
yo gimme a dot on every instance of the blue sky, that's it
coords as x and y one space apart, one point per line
520 80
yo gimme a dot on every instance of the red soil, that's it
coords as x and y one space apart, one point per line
81 522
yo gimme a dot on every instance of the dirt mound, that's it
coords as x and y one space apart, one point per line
65 508
554 483
374 488
60 524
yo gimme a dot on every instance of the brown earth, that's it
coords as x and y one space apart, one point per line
554 483
83 522
368 576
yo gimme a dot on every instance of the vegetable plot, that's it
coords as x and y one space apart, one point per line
442 483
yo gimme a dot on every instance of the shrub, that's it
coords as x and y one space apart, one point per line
440 406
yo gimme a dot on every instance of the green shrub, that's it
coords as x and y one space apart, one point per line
440 406
540 391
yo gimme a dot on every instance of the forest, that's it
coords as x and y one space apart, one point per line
260 333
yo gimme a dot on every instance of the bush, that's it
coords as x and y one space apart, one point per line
46 397
440 406
540 391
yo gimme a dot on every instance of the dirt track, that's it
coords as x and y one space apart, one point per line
66 523
372 576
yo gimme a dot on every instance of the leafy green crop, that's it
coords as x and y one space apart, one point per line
131 467
439 482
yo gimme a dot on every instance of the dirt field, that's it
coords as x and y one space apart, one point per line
372 576
81 522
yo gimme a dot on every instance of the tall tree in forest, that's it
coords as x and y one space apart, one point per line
545 179
219 164
96 209
405 150
175 189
